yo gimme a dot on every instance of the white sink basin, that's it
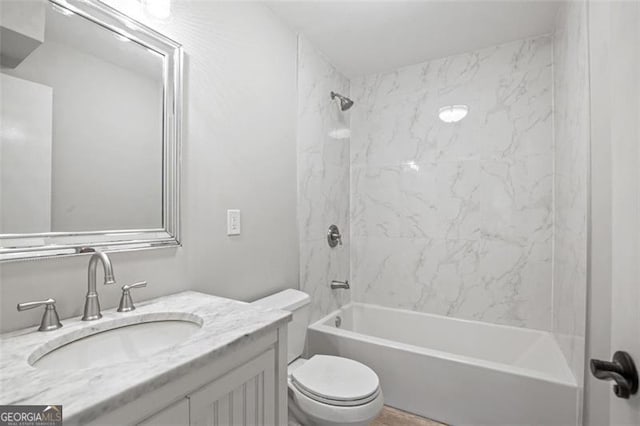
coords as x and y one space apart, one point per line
122 344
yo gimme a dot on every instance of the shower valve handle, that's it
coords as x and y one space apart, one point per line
333 236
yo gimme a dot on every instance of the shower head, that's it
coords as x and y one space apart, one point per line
345 103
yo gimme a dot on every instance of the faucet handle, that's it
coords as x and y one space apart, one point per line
30 305
50 320
139 284
126 302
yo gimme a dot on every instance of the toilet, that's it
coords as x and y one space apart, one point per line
323 390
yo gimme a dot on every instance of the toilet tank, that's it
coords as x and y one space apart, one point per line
296 302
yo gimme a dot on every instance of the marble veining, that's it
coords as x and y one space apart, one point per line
225 325
571 116
456 219
323 179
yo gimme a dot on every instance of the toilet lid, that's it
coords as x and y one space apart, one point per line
335 379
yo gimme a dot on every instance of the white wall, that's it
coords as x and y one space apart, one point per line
107 128
571 150
624 63
614 295
25 156
24 17
598 345
239 152
323 179
456 219
22 28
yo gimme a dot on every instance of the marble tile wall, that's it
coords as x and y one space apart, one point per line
323 179
571 117
456 219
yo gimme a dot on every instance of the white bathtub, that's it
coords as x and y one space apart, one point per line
455 371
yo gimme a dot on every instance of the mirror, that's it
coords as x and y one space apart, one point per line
89 146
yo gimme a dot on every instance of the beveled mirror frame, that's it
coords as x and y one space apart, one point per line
54 244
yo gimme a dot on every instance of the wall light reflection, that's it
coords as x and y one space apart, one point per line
60 9
158 9
412 165
453 113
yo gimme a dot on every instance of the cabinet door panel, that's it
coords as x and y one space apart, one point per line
222 412
250 397
244 396
174 415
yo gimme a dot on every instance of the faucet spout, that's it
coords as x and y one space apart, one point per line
335 284
92 303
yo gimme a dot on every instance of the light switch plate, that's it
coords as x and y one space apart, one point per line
233 222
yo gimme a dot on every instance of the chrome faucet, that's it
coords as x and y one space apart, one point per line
92 304
50 320
126 302
340 284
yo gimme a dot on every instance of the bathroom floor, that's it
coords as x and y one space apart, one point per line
391 417
394 417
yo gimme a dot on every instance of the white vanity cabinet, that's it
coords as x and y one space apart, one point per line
246 386
230 370
177 414
240 397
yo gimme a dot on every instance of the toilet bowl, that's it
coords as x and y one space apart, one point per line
324 389
329 390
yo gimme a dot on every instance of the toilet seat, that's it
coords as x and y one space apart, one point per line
336 381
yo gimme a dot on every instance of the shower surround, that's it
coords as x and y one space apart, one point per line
323 179
572 118
484 219
457 219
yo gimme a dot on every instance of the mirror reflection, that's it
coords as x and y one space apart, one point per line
81 146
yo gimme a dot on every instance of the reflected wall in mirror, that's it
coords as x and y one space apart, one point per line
89 142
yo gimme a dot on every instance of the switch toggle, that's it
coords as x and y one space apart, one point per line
233 222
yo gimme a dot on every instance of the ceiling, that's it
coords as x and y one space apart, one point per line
365 37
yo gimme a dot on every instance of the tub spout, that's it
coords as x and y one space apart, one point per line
340 284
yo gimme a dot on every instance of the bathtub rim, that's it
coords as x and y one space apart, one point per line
320 326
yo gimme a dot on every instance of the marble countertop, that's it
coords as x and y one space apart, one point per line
87 393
